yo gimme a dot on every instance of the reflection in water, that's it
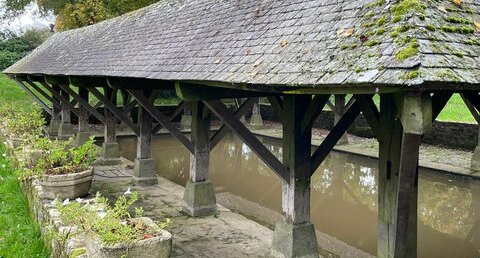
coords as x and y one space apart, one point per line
344 194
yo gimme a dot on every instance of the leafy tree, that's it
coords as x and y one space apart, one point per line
13 49
78 13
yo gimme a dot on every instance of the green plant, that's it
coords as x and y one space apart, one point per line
21 123
113 224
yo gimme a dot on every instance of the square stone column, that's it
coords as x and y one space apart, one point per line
199 197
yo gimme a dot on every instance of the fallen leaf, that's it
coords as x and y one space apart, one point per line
147 236
283 43
340 31
217 61
348 32
254 73
363 38
257 63
442 8
457 2
477 25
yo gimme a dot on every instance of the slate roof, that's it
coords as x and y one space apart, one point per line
308 43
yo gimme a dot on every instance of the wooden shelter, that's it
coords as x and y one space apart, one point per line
414 54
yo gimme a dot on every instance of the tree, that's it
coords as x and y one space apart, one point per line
78 13
13 49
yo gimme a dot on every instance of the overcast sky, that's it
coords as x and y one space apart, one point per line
30 19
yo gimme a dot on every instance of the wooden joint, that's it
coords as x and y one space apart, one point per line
370 112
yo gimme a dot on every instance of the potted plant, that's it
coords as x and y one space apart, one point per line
66 172
112 232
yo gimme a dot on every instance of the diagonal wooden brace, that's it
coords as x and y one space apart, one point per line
61 99
148 105
83 103
35 97
370 111
177 111
114 109
54 102
228 117
332 138
218 136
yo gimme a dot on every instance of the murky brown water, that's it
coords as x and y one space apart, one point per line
344 195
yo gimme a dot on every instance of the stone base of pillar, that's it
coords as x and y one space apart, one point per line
65 131
256 121
294 240
81 138
186 122
53 127
144 172
475 163
110 154
199 199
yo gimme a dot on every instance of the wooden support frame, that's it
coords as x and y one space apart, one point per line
228 117
471 108
163 120
93 110
177 111
114 109
439 100
62 98
35 97
370 111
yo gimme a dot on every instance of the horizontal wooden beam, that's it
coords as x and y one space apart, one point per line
88 82
193 92
139 83
115 110
228 117
163 120
332 138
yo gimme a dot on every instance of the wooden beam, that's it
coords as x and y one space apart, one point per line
439 100
35 97
177 111
44 94
471 108
335 134
64 102
277 105
115 110
194 92
370 111
313 111
133 83
83 103
145 103
218 136
88 82
221 111
199 162
331 106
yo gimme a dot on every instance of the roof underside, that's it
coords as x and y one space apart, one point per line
306 43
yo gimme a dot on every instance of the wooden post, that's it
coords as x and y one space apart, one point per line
338 113
56 116
66 129
199 198
144 173
83 133
295 235
110 148
186 120
398 173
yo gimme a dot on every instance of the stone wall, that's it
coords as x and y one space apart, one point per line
447 134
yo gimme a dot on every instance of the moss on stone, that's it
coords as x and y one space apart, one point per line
458 29
411 49
461 20
372 42
77 252
447 74
435 47
394 34
459 54
430 27
410 75
380 31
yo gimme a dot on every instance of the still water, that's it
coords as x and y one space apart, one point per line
344 195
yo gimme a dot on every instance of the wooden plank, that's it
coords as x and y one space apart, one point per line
277 105
112 107
406 226
177 111
144 102
144 146
193 92
84 103
335 134
224 129
471 108
44 94
439 100
370 111
83 123
61 98
390 141
331 106
199 163
221 111
35 97
313 110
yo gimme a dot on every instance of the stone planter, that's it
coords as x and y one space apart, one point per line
69 186
156 247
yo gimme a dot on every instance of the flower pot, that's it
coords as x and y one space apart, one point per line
159 246
69 186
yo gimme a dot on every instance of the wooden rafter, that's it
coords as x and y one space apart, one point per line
35 97
114 109
228 117
163 120
62 99
83 103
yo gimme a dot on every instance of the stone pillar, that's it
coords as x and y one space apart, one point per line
186 120
199 198
66 129
83 133
56 117
144 173
256 120
295 235
475 163
338 113
110 149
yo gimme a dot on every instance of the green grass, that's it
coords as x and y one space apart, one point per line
19 235
10 93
